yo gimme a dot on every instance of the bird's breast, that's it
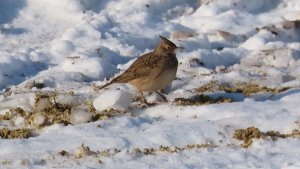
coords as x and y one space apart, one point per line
162 74
155 83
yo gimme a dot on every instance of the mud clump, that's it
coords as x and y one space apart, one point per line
201 100
6 133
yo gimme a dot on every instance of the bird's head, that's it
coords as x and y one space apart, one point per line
167 47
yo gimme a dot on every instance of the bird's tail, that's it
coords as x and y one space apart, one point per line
107 84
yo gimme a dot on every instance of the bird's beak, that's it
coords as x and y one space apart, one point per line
179 48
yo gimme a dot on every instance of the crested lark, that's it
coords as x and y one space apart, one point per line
152 71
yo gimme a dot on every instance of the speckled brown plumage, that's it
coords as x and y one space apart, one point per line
152 71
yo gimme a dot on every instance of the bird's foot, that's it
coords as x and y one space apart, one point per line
144 103
162 96
150 104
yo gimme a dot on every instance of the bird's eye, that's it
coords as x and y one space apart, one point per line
168 47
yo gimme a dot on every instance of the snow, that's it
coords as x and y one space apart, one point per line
117 99
54 54
79 116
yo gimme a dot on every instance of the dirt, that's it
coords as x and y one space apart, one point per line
247 135
90 106
64 153
171 149
47 111
201 100
249 88
47 115
5 117
246 88
34 84
274 135
105 114
6 133
53 112
209 87
84 151
58 113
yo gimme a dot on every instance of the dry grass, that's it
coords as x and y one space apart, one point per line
6 133
247 135
201 100
246 88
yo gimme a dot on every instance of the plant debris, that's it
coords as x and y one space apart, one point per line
104 115
34 84
247 135
90 106
250 88
171 149
83 151
6 133
6 162
209 87
109 152
5 117
246 88
64 153
201 100
47 111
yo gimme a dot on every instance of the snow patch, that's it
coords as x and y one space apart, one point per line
116 99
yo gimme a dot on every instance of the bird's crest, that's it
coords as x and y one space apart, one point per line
167 41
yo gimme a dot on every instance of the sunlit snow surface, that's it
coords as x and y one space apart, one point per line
72 46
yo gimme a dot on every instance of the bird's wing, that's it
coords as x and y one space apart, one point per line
142 67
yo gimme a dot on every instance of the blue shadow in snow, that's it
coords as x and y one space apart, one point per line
236 97
286 93
13 31
9 9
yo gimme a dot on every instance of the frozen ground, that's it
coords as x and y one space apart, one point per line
234 104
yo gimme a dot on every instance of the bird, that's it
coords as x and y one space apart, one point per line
152 71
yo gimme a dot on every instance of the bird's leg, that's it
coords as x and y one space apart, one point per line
144 100
162 96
